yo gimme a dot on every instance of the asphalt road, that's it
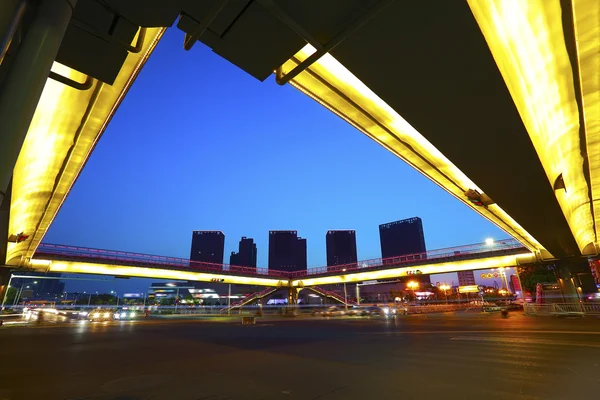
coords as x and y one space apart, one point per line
452 356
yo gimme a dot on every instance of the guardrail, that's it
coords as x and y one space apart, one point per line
558 309
446 253
50 251
147 260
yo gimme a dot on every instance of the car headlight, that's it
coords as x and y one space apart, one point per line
132 315
117 315
386 310
106 315
96 315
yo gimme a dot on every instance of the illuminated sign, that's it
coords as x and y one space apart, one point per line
491 275
468 289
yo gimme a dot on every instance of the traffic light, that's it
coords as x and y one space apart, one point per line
217 280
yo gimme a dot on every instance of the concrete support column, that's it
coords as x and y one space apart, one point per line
292 296
4 219
24 82
575 279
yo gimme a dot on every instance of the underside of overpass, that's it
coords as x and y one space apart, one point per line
495 99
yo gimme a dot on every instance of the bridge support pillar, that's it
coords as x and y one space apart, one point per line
4 220
293 296
575 279
4 280
24 82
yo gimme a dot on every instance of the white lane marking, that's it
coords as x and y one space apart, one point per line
505 331
521 340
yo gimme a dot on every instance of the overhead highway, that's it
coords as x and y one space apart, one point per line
495 101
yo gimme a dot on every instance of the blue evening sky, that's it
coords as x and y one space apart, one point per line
198 144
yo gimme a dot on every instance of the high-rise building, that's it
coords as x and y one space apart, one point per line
208 246
404 237
341 247
466 278
246 255
247 252
287 252
234 258
301 254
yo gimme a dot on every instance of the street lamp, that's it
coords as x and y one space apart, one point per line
445 287
114 293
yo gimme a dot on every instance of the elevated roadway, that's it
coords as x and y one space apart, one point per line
495 101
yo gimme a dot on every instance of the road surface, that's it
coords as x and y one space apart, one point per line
449 356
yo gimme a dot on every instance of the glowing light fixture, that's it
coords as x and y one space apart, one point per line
142 272
331 84
489 241
63 132
433 268
527 40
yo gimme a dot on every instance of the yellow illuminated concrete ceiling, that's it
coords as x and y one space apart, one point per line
433 268
142 272
549 58
65 128
331 84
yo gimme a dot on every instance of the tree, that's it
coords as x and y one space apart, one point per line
533 274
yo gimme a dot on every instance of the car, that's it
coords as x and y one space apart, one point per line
358 311
377 311
332 312
100 315
125 315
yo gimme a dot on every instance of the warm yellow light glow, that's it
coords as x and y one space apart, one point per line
142 272
332 85
427 269
527 41
444 287
64 130
468 289
413 285
586 14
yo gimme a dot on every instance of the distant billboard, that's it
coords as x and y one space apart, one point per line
132 295
468 289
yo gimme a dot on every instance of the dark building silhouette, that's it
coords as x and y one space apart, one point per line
466 278
246 255
247 252
208 246
341 247
287 252
400 238
234 258
301 253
